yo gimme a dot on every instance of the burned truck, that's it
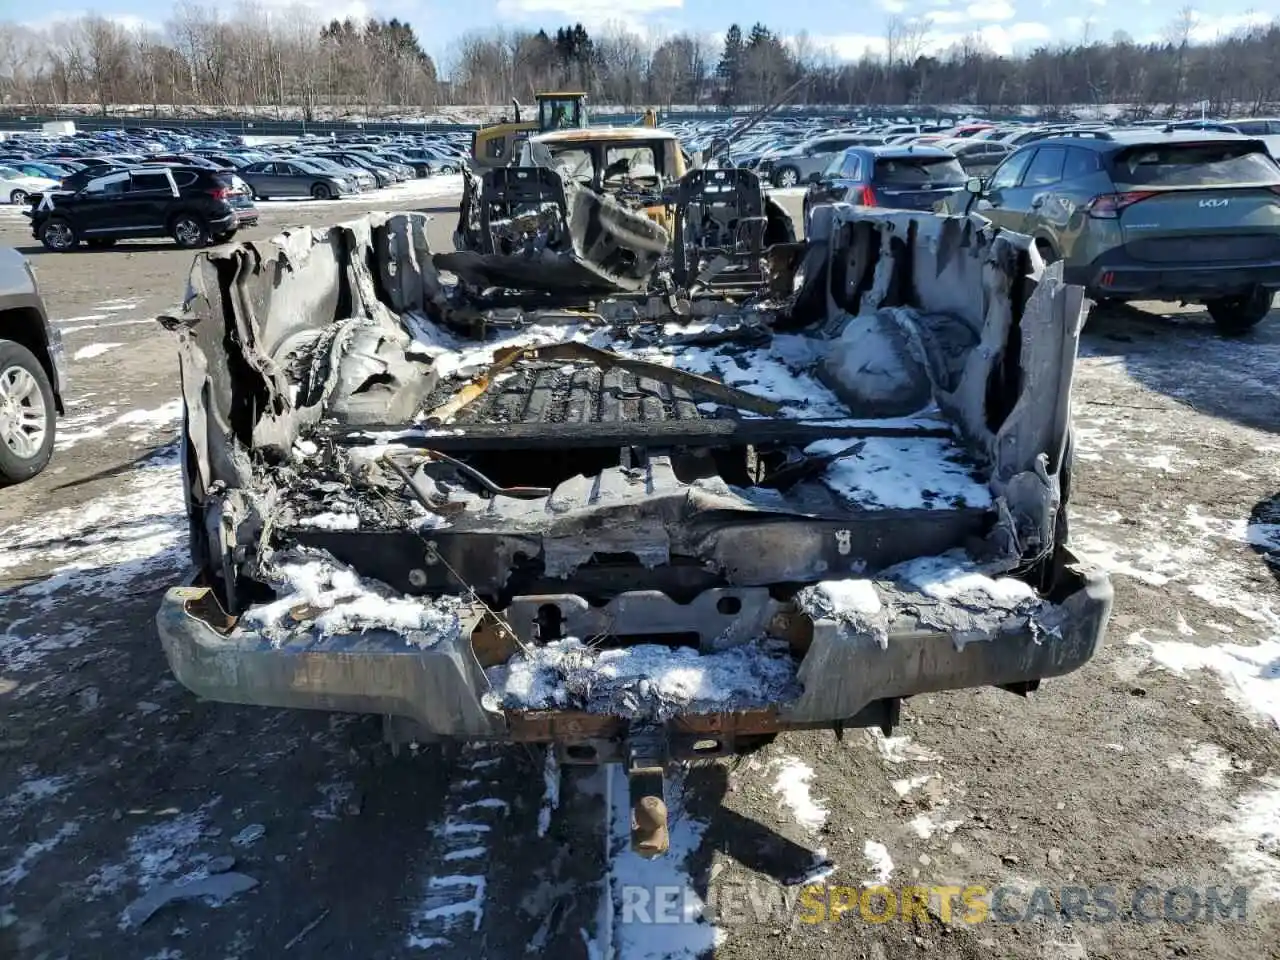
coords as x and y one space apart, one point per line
634 515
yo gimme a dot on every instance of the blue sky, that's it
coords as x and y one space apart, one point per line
847 29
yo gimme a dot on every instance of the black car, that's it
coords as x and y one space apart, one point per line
193 205
903 178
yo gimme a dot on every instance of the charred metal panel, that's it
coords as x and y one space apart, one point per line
1011 395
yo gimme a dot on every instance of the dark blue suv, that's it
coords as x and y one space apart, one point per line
902 178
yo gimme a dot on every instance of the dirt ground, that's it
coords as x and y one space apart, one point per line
1154 771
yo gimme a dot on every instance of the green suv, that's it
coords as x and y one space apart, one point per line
1142 215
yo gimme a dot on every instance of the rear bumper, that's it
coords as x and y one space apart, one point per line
845 675
1124 278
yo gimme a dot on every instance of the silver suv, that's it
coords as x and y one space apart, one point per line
32 372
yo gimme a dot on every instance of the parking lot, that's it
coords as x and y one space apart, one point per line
1156 766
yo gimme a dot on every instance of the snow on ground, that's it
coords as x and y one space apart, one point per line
1213 562
94 425
453 895
879 861
94 350
657 913
791 784
33 851
164 849
93 550
550 793
424 188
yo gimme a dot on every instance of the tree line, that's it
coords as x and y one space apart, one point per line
271 57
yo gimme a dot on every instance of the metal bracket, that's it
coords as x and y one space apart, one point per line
647 758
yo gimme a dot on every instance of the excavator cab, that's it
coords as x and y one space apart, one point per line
561 111
498 144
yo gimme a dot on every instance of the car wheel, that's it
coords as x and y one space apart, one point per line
320 191
59 236
26 414
786 177
189 230
1234 315
18 197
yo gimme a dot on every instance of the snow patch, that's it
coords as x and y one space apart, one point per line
1252 836
331 521
94 350
20 868
322 597
948 577
1207 764
157 852
1248 673
792 786
31 792
643 679
96 549
877 857
550 792
856 596
902 473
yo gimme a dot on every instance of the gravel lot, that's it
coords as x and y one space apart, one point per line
1158 765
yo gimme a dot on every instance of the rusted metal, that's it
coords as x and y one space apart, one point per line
649 834
493 642
566 726
202 603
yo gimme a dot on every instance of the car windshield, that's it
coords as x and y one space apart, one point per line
9 173
919 172
1193 165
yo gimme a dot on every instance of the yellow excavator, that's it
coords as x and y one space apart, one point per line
494 145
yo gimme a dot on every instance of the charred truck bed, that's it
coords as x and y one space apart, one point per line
636 530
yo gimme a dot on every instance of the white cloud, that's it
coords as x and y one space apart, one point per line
1206 29
586 11
851 46
995 11
892 6
1001 39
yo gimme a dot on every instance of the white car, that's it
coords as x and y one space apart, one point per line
15 186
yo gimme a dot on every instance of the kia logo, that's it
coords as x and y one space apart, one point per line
1214 203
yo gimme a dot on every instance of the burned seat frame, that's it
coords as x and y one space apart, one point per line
591 243
720 226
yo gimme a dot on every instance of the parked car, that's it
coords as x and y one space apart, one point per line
16 186
1148 215
32 372
362 178
901 177
293 178
978 157
801 163
381 175
193 205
